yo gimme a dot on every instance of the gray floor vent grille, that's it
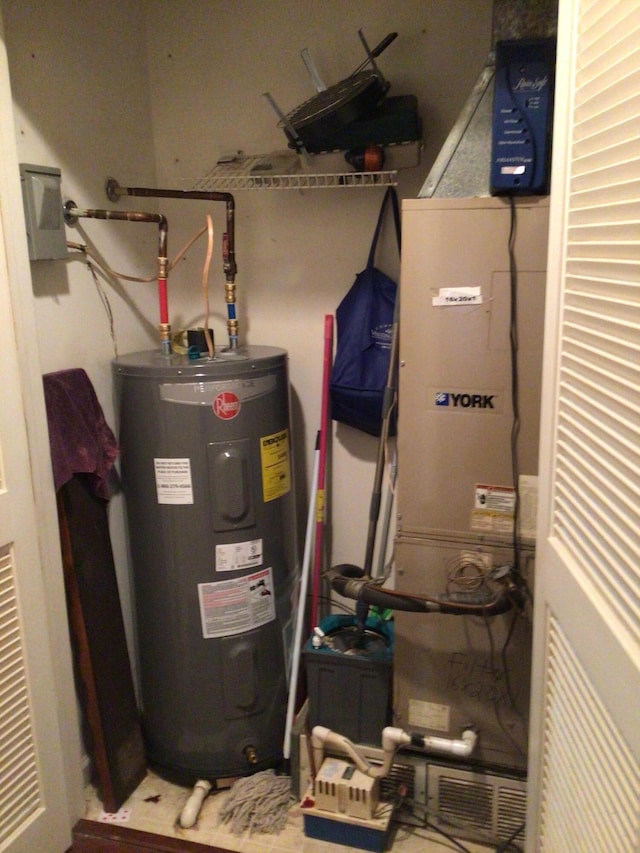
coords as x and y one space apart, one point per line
401 776
468 800
478 806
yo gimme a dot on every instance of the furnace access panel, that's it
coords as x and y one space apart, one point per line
455 386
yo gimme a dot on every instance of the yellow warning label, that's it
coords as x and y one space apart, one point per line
276 467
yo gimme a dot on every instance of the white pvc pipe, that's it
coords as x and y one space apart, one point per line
392 738
191 810
321 736
463 747
302 598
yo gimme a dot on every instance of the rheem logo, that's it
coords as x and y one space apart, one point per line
226 405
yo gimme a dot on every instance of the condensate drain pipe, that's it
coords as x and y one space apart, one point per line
392 739
115 192
73 213
189 814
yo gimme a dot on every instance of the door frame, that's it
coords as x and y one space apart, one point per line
68 786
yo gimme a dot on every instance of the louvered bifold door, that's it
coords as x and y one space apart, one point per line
20 795
35 813
585 742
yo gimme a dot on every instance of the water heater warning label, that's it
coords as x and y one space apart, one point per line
173 481
276 467
235 606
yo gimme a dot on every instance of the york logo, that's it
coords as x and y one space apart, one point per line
226 405
464 401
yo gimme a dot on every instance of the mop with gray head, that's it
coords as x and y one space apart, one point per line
258 803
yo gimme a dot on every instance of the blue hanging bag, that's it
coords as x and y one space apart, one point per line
364 321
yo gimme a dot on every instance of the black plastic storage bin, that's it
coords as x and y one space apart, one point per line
349 689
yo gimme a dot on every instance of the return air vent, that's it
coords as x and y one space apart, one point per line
458 798
479 806
512 807
401 777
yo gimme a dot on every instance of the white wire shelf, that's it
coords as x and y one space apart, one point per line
246 174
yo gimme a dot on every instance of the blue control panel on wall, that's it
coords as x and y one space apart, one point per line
522 117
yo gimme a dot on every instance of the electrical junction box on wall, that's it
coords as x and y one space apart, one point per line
522 117
43 211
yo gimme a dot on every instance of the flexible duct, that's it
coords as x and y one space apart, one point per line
348 581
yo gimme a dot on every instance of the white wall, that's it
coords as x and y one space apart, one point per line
151 93
297 251
81 101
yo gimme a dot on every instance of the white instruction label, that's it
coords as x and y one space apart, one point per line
456 296
500 499
235 606
239 555
494 508
173 481
429 715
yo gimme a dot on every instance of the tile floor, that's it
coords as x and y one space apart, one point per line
156 804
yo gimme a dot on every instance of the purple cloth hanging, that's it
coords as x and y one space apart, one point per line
81 440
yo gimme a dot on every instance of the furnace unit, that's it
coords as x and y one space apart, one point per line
473 277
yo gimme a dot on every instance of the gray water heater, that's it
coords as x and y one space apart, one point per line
207 477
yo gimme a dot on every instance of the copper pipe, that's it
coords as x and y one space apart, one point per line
115 192
72 214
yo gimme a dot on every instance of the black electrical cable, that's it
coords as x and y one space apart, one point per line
504 846
448 836
515 430
505 666
508 843
480 836
515 397
105 304
338 605
497 676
